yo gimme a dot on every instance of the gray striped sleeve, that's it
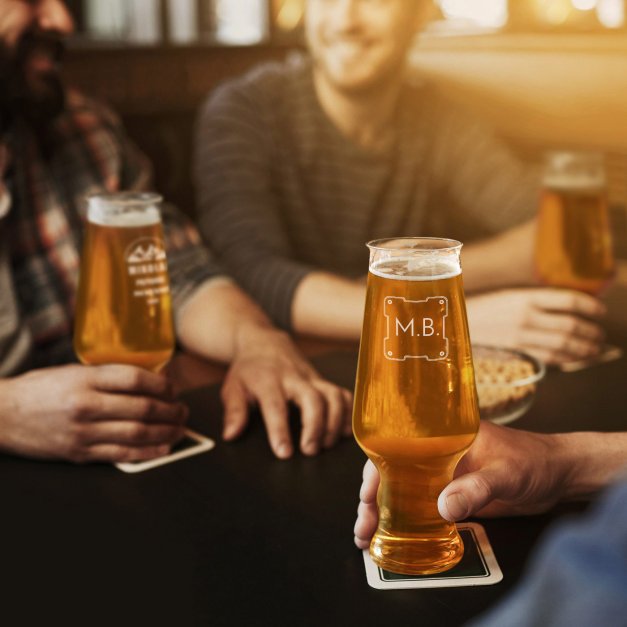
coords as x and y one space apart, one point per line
238 207
486 181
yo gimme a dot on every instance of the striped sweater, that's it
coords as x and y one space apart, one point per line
281 192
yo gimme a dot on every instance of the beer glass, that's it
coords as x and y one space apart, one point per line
416 411
574 244
123 312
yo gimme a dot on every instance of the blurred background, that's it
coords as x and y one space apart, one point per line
545 73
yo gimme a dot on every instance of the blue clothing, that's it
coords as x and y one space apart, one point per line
578 577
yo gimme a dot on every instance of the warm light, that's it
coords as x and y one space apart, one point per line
554 12
584 5
290 13
241 21
490 13
611 13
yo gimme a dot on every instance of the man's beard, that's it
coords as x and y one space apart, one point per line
36 102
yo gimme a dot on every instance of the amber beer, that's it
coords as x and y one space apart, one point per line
574 245
123 312
416 409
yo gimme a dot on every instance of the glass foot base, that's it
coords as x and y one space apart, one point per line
417 556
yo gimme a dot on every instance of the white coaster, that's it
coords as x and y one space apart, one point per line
477 568
192 444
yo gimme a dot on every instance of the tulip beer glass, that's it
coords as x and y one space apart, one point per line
416 410
574 245
123 313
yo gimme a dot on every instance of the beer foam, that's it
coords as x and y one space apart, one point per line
123 217
416 269
570 182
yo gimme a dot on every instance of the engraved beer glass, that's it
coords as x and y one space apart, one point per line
416 411
123 312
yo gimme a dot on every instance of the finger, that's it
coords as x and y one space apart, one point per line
470 493
116 453
146 409
273 405
130 433
569 300
366 524
348 405
313 411
235 401
336 412
122 378
572 325
370 484
560 343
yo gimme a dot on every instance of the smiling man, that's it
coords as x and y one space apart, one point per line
56 146
299 164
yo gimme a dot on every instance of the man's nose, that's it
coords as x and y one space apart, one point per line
347 13
53 15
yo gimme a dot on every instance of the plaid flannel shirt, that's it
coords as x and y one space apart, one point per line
89 153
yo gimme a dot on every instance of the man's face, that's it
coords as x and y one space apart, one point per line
359 44
31 33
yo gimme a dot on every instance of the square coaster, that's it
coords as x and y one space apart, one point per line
477 568
192 443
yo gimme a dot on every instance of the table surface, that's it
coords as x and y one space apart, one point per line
236 537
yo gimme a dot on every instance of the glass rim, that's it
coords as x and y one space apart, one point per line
126 198
449 244
576 153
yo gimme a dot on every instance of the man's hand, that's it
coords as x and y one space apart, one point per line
269 371
89 413
506 472
555 325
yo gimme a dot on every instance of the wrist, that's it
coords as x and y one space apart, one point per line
253 336
586 461
8 411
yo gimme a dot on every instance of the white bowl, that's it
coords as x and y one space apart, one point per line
506 382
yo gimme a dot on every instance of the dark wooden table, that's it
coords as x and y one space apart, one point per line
235 537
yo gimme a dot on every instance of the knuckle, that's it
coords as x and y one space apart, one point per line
314 398
78 454
572 326
134 378
138 432
564 343
481 487
79 405
122 454
335 397
145 408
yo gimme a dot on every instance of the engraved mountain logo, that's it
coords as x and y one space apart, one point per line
145 250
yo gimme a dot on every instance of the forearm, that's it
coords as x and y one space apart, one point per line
590 461
502 261
219 319
329 306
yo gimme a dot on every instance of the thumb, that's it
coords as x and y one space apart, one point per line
470 493
235 404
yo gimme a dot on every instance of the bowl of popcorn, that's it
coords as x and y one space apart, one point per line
506 382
